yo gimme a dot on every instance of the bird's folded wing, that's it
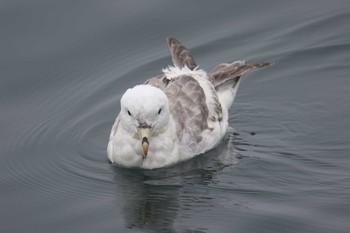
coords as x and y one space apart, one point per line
187 104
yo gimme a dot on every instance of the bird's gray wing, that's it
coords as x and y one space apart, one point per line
180 54
114 128
188 107
224 73
159 81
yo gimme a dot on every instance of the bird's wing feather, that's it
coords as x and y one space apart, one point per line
187 103
223 73
188 106
114 127
159 81
180 54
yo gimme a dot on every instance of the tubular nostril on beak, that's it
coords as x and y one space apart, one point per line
144 125
145 140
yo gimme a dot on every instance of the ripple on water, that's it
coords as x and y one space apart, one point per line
63 152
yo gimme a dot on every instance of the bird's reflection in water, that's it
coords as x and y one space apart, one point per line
151 197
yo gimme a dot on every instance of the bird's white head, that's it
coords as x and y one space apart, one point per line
145 112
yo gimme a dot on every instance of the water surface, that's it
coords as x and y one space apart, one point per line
65 64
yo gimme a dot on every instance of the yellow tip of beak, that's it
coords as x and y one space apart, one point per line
144 134
145 148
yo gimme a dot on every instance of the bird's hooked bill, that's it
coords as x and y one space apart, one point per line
144 134
145 144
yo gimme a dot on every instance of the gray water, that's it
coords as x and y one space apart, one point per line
65 64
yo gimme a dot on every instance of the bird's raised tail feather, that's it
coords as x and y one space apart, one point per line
225 78
223 73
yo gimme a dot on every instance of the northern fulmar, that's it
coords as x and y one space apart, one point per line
177 115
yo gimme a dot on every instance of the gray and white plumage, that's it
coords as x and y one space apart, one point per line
176 115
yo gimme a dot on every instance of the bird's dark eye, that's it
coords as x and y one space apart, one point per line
160 110
129 113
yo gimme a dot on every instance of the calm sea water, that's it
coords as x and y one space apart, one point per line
65 64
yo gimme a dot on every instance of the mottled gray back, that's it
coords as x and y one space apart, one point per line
187 103
187 100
